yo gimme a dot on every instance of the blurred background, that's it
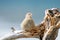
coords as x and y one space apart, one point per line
12 12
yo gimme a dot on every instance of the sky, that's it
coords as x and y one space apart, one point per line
12 12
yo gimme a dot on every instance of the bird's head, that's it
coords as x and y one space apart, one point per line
29 15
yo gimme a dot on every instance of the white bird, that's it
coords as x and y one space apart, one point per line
28 22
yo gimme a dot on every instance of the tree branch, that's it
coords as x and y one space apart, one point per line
17 35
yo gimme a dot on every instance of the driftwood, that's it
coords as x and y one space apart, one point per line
51 34
18 34
33 33
23 34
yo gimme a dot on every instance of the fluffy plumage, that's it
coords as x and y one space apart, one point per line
28 22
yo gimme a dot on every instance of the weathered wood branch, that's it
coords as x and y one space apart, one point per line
21 34
17 35
51 34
